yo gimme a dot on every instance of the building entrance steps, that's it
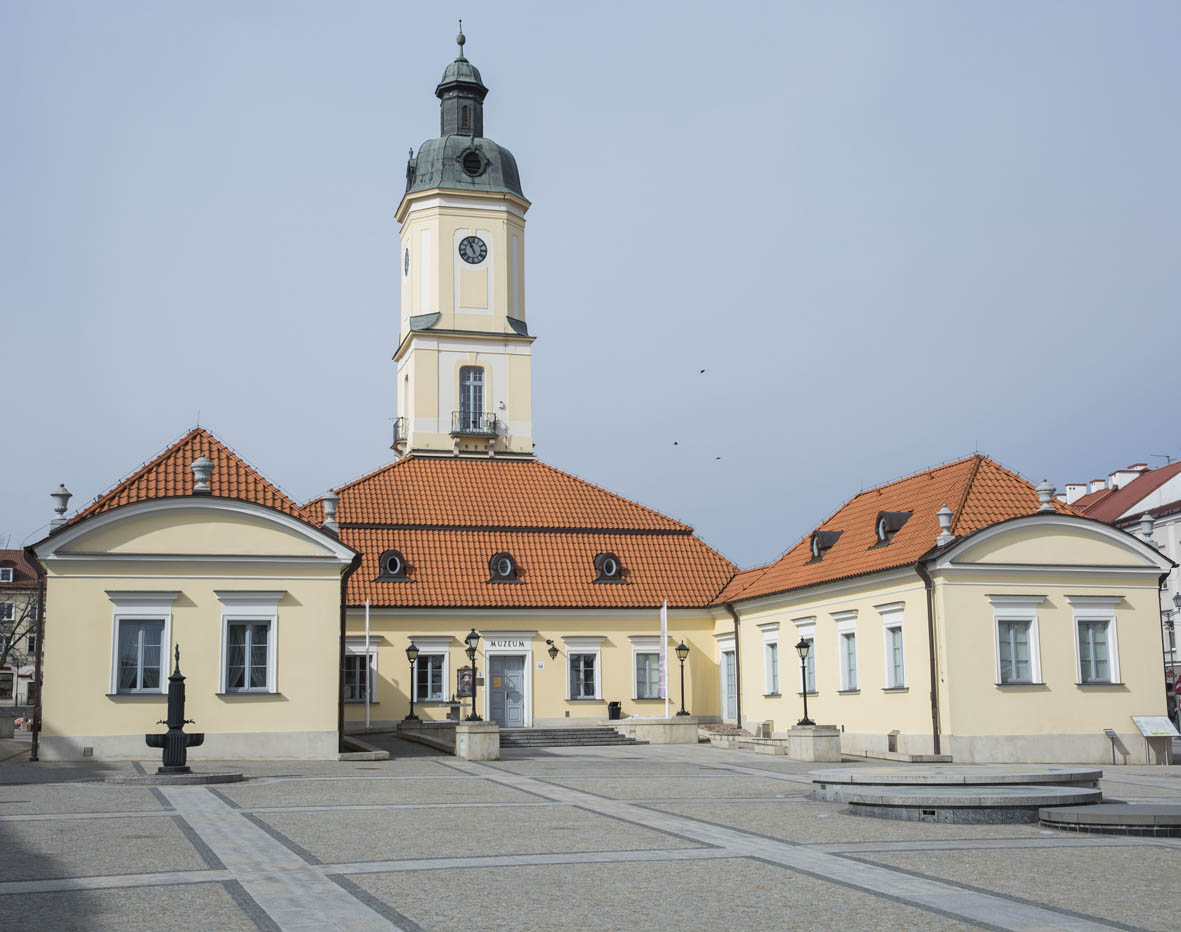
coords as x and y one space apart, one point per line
583 736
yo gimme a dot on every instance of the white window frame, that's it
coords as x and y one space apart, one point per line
806 629
1018 608
772 680
7 611
649 644
250 607
432 645
1097 608
6 574
846 623
586 645
893 618
354 646
136 606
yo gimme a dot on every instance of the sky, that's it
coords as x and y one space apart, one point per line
892 234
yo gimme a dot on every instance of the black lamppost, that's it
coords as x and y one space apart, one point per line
412 656
802 649
682 650
473 641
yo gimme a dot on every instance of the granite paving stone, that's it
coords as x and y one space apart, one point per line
454 787
94 847
183 908
680 895
1134 885
811 822
399 834
76 797
666 787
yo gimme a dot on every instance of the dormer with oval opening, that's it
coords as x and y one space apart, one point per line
822 542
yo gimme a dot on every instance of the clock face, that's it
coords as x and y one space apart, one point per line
472 249
406 262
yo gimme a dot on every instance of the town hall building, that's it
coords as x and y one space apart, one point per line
299 623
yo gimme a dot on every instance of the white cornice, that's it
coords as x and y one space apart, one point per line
476 200
331 548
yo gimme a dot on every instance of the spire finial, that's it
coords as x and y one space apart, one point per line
176 669
460 40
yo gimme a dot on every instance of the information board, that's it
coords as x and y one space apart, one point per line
1156 726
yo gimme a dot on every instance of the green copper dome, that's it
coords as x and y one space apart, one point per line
462 158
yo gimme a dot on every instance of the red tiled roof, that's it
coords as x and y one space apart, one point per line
169 474
1109 504
449 568
448 516
977 489
23 575
424 491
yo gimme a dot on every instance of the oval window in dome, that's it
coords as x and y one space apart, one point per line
472 162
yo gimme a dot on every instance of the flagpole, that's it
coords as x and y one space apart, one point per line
664 653
368 667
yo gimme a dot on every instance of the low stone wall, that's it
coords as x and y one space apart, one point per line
437 735
477 741
678 729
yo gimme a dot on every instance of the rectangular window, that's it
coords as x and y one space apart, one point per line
5 574
1094 653
428 677
32 645
895 667
648 676
1013 651
247 656
771 650
357 677
7 611
140 656
582 676
849 660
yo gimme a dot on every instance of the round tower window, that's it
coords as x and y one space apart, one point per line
472 162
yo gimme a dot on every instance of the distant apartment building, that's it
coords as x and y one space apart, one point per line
18 620
1146 502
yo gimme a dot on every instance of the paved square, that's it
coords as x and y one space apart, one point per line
673 837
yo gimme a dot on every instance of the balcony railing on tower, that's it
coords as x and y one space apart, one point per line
473 424
400 429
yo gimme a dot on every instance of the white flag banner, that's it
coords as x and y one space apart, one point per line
664 655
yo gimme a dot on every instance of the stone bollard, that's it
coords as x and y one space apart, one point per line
477 741
814 743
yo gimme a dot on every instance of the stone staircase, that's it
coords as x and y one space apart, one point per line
589 736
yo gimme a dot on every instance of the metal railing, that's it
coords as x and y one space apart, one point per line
473 424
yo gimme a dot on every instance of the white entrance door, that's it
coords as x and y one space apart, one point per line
730 683
506 690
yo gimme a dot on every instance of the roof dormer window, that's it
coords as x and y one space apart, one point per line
608 569
392 567
5 574
503 568
888 524
822 542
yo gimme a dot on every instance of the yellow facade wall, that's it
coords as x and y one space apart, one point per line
547 697
80 708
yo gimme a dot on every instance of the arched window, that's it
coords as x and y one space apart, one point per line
471 397
465 118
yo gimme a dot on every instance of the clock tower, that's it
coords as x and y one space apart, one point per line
464 349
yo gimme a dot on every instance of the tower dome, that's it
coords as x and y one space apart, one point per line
462 158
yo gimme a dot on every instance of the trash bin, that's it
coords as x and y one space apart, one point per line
614 710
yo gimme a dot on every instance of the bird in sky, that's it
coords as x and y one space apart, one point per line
702 372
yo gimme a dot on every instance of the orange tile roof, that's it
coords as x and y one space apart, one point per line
980 492
424 491
448 516
449 568
1109 505
169 474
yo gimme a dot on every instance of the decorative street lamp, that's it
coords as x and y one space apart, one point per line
802 649
412 656
473 640
682 650
552 650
